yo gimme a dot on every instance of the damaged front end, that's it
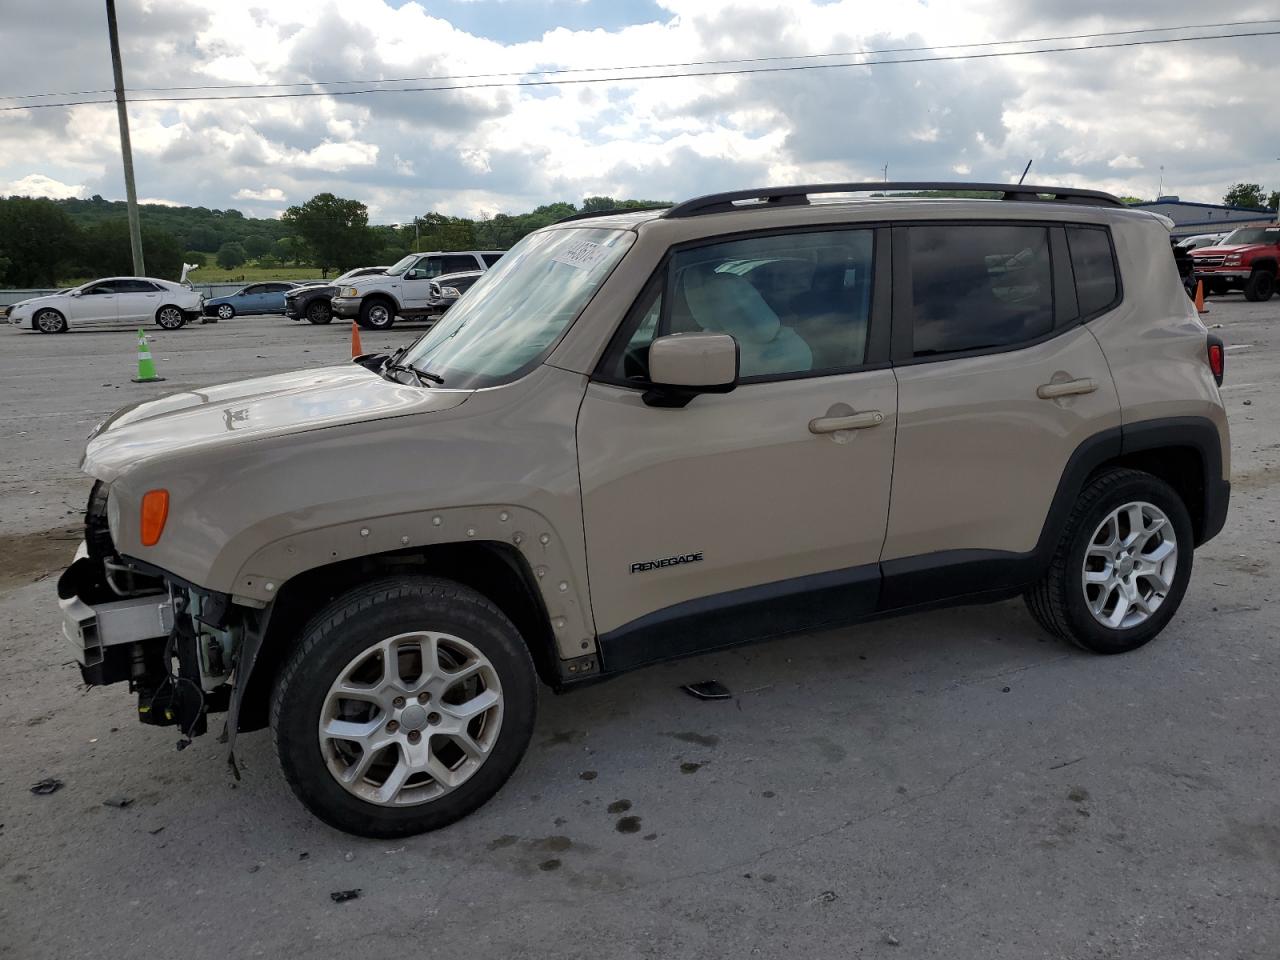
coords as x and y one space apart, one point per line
176 645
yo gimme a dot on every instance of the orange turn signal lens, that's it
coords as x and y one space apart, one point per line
155 511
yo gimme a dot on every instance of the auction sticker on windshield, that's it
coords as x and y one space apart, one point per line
584 254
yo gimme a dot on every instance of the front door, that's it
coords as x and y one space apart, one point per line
96 304
757 512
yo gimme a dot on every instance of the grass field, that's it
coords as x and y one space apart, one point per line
246 274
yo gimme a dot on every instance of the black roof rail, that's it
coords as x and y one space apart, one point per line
611 211
799 195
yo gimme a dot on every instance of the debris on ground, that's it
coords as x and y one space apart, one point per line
707 690
891 940
46 786
826 896
348 856
587 775
342 896
118 802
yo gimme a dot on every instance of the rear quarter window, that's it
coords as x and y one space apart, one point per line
1094 266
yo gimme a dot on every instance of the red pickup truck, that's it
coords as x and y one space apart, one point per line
1247 260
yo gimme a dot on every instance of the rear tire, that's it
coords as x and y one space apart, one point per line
49 321
170 317
1260 286
377 315
1067 608
319 312
336 652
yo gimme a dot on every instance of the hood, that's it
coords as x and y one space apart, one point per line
1224 249
36 301
282 405
327 289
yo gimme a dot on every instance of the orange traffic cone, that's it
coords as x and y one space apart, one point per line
1200 307
356 349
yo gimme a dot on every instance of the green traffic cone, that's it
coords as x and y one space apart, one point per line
146 366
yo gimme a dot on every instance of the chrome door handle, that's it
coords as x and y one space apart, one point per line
858 421
1066 388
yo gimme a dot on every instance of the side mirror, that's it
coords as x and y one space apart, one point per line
77 293
683 365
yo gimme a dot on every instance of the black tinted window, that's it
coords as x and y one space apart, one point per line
490 258
135 286
979 286
459 262
1094 268
109 286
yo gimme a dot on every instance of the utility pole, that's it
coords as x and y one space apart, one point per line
126 149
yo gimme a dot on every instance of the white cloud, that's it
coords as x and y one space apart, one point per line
1102 118
38 185
266 194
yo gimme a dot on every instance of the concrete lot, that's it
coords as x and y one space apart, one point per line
947 785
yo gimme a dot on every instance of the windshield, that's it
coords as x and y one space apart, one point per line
402 265
519 307
1254 235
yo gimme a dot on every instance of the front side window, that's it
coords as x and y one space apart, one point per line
105 287
797 304
1094 268
516 311
979 286
490 258
1253 235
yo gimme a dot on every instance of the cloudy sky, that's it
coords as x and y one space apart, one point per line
1105 118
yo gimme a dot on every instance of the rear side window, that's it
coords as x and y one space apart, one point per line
1094 266
135 286
979 286
459 262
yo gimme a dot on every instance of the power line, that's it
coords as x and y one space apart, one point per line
658 66
652 76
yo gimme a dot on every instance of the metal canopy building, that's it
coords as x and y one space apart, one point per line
1190 218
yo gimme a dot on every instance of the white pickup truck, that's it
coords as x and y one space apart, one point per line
405 289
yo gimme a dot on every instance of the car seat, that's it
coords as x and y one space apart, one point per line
725 303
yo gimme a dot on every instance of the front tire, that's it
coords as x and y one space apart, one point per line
224 311
170 317
319 312
377 315
1260 286
389 751
49 321
1121 567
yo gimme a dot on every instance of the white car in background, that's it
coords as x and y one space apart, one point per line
111 301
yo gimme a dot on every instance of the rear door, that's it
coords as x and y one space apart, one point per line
749 513
999 382
137 300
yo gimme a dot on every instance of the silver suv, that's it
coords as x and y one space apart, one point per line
405 289
647 435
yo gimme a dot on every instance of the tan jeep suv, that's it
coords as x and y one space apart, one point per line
645 435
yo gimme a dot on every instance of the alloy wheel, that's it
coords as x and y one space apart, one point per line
170 318
226 312
411 718
1129 565
50 321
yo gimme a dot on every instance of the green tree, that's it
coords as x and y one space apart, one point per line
288 250
230 256
204 238
37 238
335 230
255 245
105 251
195 258
1245 195
1273 201
596 204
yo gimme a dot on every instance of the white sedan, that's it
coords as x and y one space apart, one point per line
115 300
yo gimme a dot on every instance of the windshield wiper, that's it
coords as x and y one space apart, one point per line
422 375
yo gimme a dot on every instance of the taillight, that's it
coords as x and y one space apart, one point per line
155 511
1217 359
